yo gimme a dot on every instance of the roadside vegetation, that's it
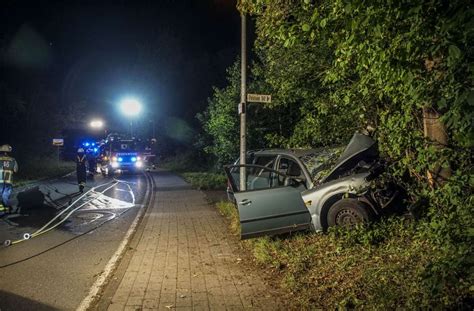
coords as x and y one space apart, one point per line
392 264
41 167
196 170
403 72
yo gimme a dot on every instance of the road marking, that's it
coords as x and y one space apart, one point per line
110 267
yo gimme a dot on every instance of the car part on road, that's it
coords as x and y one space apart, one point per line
108 269
46 227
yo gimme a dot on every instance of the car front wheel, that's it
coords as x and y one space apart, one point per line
347 212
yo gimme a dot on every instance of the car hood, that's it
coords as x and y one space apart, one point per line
360 148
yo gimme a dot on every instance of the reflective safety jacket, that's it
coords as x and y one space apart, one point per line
8 166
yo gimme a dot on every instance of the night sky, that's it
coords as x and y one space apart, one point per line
168 53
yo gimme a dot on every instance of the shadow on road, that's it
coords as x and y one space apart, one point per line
9 301
33 210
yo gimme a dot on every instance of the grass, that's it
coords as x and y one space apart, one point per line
206 181
188 165
38 168
387 265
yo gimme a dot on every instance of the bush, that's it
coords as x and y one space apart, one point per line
186 161
206 181
41 167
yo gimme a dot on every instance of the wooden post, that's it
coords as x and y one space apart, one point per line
435 131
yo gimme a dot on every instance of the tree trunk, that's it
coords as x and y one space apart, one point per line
435 131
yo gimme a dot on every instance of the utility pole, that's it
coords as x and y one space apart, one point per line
243 101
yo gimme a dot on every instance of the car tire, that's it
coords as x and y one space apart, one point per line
347 212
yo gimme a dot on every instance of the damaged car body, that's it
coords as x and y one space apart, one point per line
292 190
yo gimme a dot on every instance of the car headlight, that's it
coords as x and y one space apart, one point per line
114 159
115 164
139 164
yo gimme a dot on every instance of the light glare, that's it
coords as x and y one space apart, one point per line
130 107
96 124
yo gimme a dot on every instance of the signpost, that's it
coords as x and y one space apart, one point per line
259 98
58 142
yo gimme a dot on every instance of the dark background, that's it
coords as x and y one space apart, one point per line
66 62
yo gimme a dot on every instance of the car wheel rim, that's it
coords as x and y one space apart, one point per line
348 218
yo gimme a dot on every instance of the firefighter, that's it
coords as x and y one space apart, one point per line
91 161
8 166
81 170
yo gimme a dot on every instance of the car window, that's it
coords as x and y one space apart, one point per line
258 178
289 168
267 161
320 163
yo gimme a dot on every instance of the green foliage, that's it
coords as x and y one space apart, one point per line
220 121
206 181
186 161
41 167
334 67
229 211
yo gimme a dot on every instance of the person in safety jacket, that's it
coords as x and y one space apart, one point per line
8 166
81 169
91 161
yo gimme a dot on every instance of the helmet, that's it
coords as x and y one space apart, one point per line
5 148
80 150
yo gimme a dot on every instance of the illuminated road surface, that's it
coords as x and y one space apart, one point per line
71 239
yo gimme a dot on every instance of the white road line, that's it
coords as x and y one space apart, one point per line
110 267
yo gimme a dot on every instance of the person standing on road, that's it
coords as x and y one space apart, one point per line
8 166
81 170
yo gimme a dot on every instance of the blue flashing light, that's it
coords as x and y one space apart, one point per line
95 149
134 159
92 144
120 159
86 144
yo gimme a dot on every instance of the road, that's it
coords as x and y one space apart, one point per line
56 268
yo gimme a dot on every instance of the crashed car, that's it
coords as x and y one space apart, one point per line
292 190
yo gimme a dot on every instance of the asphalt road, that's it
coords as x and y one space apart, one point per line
56 268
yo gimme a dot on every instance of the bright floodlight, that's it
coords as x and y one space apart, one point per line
130 107
96 124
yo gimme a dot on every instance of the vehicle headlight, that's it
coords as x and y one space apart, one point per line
114 159
139 164
115 164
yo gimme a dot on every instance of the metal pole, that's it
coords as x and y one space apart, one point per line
153 123
243 101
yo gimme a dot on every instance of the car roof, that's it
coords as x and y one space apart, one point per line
291 152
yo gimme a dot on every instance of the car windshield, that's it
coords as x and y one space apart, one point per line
126 146
320 162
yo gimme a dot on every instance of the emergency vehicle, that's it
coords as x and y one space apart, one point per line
119 153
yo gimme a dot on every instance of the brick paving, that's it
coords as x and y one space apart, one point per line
187 260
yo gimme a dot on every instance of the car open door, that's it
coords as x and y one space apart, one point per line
271 204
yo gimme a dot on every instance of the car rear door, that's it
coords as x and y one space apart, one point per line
267 207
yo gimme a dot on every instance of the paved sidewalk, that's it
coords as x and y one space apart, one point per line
187 260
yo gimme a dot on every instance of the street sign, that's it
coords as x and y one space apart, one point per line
259 98
58 142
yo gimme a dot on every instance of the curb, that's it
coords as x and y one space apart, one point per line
94 293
